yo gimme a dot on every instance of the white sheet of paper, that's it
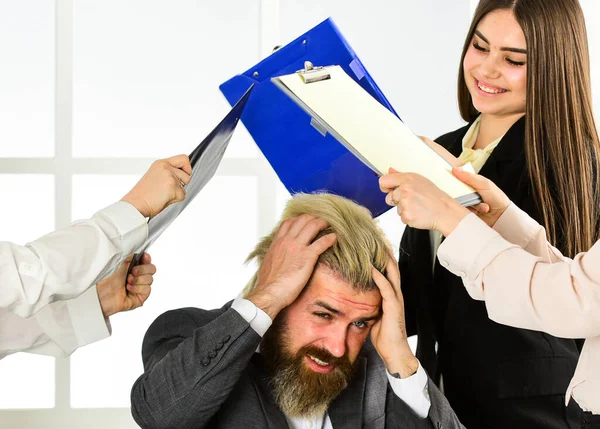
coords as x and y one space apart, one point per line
375 134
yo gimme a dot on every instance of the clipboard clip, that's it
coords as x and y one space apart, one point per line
310 73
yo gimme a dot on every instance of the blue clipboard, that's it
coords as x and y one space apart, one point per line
305 157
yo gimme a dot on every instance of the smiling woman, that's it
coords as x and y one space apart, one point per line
495 69
524 87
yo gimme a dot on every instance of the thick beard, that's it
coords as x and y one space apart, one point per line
299 391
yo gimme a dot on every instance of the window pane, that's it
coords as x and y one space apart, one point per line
149 86
27 62
27 380
200 263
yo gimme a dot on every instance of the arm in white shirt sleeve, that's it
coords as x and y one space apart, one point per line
57 329
258 319
413 391
67 262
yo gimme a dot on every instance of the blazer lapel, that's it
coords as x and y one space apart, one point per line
346 411
365 398
455 146
509 150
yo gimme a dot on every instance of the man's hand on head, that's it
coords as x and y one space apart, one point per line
289 263
388 334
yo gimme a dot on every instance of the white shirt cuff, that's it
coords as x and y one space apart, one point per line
88 321
413 390
471 247
258 319
73 323
516 226
131 226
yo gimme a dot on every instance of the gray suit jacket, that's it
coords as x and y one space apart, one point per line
201 371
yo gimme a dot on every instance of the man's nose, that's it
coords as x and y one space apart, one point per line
335 343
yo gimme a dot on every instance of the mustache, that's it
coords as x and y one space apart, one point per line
342 362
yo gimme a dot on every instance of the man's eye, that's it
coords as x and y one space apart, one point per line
360 325
323 315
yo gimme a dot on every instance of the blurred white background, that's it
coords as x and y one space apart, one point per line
92 91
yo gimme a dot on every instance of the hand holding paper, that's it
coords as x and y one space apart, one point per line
204 160
161 186
370 131
422 205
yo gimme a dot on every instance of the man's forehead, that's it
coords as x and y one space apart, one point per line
340 303
328 289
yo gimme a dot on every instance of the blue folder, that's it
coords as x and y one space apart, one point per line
304 159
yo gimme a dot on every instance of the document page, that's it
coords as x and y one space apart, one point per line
371 131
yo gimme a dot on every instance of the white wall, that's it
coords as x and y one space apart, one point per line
93 91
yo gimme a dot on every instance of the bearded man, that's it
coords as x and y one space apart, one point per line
316 340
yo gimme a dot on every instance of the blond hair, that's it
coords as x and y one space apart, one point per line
360 242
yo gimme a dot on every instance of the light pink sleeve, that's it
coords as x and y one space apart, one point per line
522 289
518 228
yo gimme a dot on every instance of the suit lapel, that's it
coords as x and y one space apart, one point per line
509 150
455 145
365 398
346 411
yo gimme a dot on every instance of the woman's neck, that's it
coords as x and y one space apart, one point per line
492 128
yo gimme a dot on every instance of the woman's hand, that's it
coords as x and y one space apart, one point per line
495 201
421 204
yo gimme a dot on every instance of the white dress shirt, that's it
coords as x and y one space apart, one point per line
48 299
58 329
65 263
412 390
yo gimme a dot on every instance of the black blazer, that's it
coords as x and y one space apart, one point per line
494 376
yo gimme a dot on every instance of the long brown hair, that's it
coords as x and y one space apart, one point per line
561 140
